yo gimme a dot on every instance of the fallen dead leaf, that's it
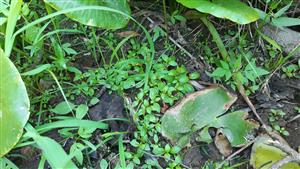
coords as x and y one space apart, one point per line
222 143
128 33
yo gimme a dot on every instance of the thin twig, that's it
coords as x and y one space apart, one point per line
175 42
294 118
236 153
247 100
284 161
267 128
178 45
284 147
293 155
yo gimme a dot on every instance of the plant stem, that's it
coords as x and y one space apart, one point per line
216 37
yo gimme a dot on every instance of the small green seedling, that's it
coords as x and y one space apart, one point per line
274 116
291 70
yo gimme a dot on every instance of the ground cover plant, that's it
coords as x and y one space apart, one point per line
149 84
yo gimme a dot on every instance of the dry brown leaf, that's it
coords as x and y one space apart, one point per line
222 143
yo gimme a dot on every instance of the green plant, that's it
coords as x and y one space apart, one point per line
214 164
297 109
191 116
292 70
7 164
175 16
104 19
10 35
14 105
233 10
274 117
241 66
84 128
168 82
277 19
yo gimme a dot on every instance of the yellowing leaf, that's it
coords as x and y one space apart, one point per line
263 155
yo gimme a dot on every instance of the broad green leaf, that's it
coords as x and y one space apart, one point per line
282 10
76 151
71 123
263 155
63 108
37 70
233 10
219 72
12 19
128 83
7 164
91 17
52 150
234 126
14 105
194 75
269 40
103 164
204 109
195 112
54 153
285 22
3 6
81 111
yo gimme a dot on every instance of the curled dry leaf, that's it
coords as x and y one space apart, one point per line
222 143
125 34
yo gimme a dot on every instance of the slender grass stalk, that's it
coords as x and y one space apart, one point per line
121 152
120 44
15 8
61 90
98 46
216 37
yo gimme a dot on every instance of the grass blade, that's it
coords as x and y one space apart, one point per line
122 152
71 123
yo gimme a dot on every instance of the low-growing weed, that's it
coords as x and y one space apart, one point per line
274 117
292 70
243 67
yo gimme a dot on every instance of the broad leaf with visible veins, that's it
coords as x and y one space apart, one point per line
233 10
204 109
14 105
94 17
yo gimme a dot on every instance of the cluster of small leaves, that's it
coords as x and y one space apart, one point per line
82 135
292 70
274 116
241 66
176 16
168 82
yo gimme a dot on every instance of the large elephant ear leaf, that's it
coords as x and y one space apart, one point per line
233 10
95 17
14 105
